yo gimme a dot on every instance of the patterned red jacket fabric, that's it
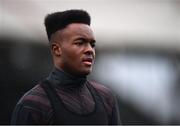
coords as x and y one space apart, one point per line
35 108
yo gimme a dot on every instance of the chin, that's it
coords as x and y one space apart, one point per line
85 73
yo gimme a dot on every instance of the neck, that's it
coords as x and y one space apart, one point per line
62 78
69 73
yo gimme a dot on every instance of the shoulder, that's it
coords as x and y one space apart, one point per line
108 97
35 98
33 107
105 92
102 89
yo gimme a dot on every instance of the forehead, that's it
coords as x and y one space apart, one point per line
78 29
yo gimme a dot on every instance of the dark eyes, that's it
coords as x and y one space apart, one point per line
83 41
93 44
79 43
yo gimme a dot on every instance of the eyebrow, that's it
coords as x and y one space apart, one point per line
86 39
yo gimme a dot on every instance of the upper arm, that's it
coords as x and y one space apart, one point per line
26 114
115 118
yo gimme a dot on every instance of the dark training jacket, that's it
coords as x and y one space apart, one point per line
75 101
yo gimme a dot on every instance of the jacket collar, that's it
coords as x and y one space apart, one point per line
61 78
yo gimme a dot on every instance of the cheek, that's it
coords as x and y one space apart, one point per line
71 57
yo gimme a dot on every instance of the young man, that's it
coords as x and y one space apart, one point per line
66 96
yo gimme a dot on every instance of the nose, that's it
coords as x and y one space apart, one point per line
89 50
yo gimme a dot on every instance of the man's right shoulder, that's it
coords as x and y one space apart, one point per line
35 96
33 108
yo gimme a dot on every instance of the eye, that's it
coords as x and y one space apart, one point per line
93 44
80 42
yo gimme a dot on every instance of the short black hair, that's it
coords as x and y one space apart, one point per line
59 20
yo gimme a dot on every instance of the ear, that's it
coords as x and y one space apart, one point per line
56 49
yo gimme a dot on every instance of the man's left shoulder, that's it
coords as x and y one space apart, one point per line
103 90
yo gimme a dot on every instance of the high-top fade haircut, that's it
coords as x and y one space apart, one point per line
59 20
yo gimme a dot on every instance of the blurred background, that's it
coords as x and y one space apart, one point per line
138 53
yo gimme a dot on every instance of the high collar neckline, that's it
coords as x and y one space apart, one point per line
64 79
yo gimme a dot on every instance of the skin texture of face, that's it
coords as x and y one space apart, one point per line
74 49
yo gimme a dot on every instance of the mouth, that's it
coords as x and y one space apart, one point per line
88 61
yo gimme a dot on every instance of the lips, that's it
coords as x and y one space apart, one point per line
88 61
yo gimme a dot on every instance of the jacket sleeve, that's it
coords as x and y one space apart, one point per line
24 114
115 118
